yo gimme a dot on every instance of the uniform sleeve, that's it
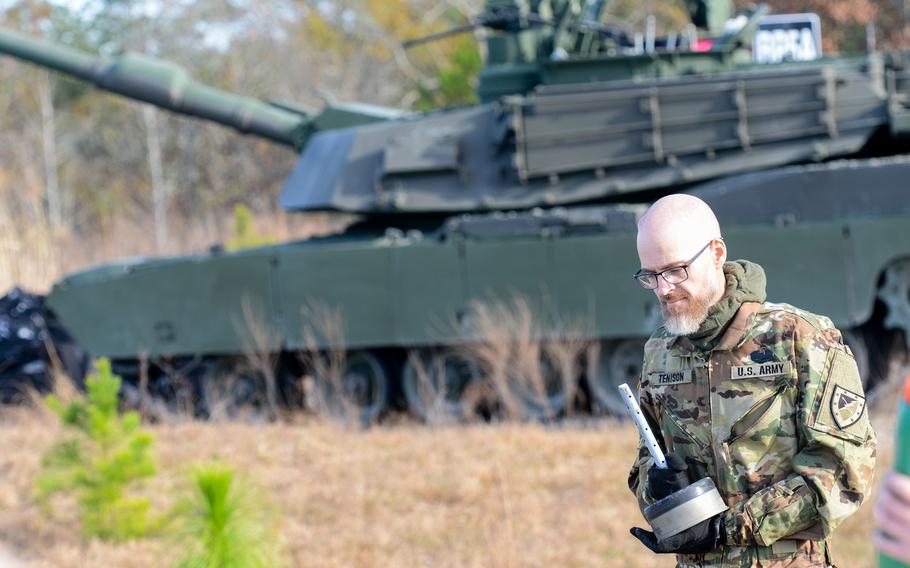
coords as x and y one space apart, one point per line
639 472
834 467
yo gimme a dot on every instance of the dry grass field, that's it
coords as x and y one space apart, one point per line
400 494
505 495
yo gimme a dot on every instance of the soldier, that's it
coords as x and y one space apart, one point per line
763 398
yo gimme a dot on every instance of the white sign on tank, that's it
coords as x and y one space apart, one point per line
787 37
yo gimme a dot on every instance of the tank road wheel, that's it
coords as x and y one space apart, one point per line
434 381
856 341
895 294
173 388
231 388
359 394
618 362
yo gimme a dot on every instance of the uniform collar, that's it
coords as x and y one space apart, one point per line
732 338
739 327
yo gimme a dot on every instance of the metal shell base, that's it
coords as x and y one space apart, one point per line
685 508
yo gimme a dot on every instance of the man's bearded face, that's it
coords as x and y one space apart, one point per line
685 307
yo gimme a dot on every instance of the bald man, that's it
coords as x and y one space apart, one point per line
763 398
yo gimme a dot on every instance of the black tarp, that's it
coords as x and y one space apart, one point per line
32 345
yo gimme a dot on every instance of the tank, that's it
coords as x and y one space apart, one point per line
533 193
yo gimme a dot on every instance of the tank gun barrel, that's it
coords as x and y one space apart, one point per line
165 85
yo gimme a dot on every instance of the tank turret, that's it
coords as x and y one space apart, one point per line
577 113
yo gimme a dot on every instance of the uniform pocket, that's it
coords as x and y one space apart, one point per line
680 435
761 421
762 442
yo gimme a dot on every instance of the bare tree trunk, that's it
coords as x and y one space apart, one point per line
54 203
160 194
902 9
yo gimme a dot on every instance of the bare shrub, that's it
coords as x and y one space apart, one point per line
478 398
238 387
568 355
62 387
165 398
29 256
325 359
533 366
526 376
593 362
144 385
492 350
175 399
427 384
431 396
260 352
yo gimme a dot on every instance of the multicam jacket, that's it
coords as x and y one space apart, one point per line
775 415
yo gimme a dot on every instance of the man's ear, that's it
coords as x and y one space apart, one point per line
719 250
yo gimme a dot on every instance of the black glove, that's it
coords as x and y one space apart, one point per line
703 537
665 481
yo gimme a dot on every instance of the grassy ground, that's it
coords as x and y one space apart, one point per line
402 495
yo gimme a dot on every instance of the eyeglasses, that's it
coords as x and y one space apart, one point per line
675 275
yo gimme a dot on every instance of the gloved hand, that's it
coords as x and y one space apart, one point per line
664 481
703 537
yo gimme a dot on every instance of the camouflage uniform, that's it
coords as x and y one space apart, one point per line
775 415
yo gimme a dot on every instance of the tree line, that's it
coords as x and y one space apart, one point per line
82 162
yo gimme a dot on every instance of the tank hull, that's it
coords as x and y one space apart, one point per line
824 234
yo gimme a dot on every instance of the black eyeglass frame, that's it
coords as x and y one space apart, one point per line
685 267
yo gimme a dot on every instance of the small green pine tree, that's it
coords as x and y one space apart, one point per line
226 523
107 453
245 233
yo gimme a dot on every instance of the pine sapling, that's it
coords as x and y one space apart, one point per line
106 455
226 523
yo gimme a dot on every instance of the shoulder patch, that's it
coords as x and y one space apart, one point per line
846 407
841 409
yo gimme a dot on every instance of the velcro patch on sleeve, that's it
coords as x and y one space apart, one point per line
841 411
